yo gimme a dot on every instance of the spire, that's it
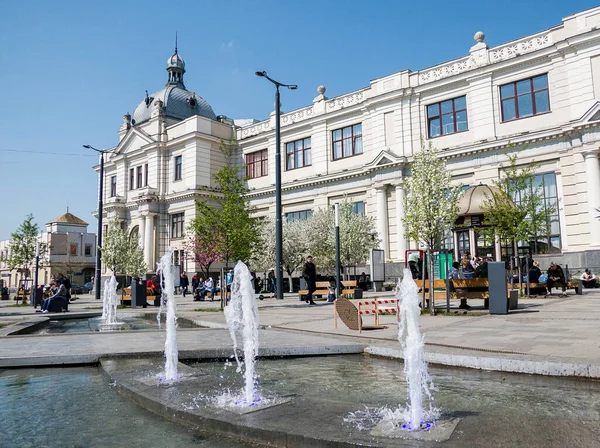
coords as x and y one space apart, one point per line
175 42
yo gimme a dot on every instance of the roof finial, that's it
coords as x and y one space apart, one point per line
175 42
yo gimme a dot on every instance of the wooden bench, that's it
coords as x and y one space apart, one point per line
348 287
575 286
321 290
23 295
151 297
126 296
439 289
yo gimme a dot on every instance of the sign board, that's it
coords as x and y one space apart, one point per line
5 275
377 265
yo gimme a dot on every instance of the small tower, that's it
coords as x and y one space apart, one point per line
176 68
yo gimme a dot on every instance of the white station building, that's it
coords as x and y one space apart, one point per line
540 93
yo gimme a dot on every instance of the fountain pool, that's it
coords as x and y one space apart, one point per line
339 400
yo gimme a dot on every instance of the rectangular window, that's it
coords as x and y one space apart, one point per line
113 186
347 142
447 117
543 185
525 98
298 154
131 174
257 164
146 175
73 249
177 223
358 208
88 250
298 216
139 177
178 167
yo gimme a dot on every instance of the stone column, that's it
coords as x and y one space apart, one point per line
142 230
149 242
382 218
402 246
592 171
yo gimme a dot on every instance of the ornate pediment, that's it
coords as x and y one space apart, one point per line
592 114
134 140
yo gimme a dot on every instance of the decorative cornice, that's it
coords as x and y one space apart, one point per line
495 55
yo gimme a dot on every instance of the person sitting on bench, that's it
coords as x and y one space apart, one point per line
60 293
588 280
556 277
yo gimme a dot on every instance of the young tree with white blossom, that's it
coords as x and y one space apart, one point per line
430 204
296 235
357 237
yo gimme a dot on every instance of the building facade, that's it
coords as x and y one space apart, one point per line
71 250
539 94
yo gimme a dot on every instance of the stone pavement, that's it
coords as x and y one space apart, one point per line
550 336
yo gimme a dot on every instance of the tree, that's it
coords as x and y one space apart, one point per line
203 249
430 204
357 237
227 212
295 240
120 254
22 248
516 211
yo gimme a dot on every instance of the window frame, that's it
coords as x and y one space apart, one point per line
178 168
177 225
305 150
298 215
145 175
354 137
139 176
113 186
441 114
262 162
531 93
131 178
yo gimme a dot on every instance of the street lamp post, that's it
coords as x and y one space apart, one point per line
35 279
337 250
97 280
278 222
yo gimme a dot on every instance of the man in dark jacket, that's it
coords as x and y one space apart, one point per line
184 283
310 276
556 277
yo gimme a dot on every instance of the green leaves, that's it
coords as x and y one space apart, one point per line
517 211
431 202
227 212
122 255
23 244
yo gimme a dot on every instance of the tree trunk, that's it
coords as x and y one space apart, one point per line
291 284
431 292
423 270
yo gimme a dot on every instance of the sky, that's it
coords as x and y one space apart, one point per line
70 70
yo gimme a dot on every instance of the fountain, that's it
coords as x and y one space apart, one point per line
165 272
242 318
110 301
418 381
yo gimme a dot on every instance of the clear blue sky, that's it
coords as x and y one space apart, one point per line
70 70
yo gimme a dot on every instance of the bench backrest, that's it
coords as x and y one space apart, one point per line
470 282
437 284
349 283
321 285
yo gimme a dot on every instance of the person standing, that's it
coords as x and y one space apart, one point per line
184 283
310 276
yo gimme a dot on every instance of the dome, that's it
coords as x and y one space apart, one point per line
175 61
178 103
472 201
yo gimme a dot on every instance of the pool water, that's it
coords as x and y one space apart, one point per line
76 407
128 323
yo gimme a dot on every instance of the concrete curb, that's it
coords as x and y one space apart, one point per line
499 364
